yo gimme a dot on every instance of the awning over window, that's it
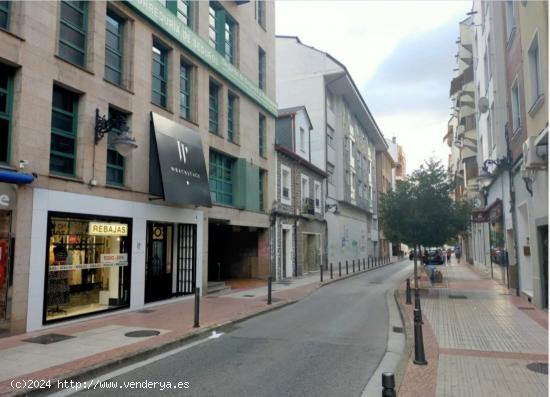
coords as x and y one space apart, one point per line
19 178
176 168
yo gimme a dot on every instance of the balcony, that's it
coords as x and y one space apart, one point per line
308 206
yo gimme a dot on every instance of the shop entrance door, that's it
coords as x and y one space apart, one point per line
158 267
186 259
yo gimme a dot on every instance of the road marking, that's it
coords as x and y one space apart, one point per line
129 368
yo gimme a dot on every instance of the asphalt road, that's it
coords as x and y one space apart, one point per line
328 344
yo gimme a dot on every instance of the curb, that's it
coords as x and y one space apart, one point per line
408 331
145 353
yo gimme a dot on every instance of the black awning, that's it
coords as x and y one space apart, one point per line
180 159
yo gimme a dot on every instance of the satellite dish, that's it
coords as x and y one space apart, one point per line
483 104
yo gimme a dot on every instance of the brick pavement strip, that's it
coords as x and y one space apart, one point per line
477 341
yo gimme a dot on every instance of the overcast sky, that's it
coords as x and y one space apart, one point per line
399 53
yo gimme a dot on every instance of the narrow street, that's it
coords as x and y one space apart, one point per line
328 344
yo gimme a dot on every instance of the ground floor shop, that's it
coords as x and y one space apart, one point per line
90 255
299 245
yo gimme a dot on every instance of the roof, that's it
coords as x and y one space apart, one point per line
300 160
293 110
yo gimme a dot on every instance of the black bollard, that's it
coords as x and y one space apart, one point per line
339 269
408 295
321 267
353 266
269 281
388 384
417 303
347 272
419 357
331 270
364 266
197 307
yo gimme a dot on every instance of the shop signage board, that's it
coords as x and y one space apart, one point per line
7 197
181 161
81 266
107 229
157 13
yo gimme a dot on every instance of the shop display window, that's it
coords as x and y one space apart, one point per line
87 265
5 254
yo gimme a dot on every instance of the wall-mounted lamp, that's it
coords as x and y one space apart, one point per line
123 142
328 207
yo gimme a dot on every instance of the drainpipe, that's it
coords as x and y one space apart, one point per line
295 247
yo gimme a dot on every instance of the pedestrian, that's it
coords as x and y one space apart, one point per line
449 253
457 253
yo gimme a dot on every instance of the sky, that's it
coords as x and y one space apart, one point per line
400 55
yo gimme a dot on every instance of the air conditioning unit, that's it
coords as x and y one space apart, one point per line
531 159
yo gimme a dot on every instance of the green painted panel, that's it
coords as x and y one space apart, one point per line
246 184
168 22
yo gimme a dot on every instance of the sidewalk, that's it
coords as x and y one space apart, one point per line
479 340
93 344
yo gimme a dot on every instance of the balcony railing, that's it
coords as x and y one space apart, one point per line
308 206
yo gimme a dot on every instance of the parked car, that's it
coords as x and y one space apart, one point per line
433 257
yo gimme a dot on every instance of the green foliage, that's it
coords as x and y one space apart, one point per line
420 211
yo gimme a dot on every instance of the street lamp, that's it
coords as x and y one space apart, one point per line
123 142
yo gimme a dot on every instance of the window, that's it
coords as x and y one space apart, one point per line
304 187
535 76
114 27
213 108
263 174
516 118
86 271
181 9
72 31
317 192
286 186
302 139
115 161
231 104
330 101
64 126
221 178
159 86
490 135
260 13
352 185
222 31
185 90
261 68
330 136
352 153
6 100
486 68
4 14
261 135
330 174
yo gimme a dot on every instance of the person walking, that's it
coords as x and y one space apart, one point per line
457 253
449 253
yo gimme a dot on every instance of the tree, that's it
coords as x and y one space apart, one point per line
421 212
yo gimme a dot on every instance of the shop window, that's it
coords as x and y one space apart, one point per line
115 161
159 82
213 107
73 26
87 266
64 131
6 257
4 14
6 100
221 178
114 28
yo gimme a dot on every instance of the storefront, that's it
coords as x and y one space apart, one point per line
7 204
88 265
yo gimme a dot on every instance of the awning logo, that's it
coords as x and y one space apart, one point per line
183 150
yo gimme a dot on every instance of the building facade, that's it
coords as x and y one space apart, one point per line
299 228
105 223
385 181
344 142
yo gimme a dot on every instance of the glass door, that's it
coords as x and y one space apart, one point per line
158 268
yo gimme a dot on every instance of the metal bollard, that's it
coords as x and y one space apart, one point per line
339 269
388 384
331 270
417 303
321 267
197 307
408 294
347 272
419 357
269 282
364 266
353 265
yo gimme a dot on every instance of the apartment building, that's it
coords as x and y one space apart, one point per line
344 143
299 229
137 134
